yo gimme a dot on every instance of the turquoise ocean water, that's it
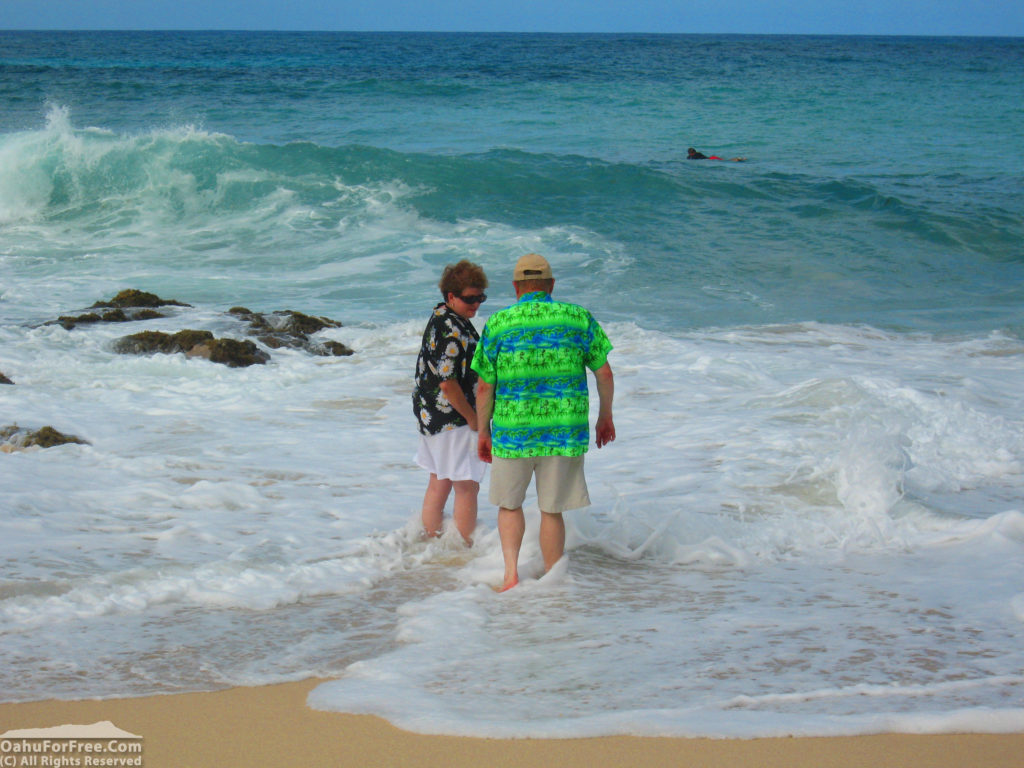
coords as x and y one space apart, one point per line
813 519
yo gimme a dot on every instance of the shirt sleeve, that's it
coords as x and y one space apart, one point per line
483 358
600 346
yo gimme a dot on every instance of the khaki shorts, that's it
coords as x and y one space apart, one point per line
560 482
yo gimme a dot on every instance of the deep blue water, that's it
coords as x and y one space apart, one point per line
883 180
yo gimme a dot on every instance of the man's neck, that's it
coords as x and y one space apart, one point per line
532 294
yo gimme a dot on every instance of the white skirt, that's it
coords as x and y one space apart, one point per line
451 455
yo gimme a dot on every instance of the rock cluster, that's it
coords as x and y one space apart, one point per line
291 329
280 329
231 352
14 438
127 306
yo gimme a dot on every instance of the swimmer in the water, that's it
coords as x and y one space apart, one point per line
693 154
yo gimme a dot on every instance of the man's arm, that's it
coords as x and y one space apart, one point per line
484 409
605 428
453 392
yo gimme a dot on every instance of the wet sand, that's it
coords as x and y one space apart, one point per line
272 726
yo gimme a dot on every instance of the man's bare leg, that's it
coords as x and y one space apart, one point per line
464 512
433 505
511 529
552 538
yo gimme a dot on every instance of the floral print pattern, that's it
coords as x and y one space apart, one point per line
449 341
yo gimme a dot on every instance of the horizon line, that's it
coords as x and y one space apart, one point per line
510 32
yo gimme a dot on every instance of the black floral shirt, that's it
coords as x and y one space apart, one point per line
449 342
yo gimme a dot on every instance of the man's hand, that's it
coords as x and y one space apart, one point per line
484 409
483 446
605 430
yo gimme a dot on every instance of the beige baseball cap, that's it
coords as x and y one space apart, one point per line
532 266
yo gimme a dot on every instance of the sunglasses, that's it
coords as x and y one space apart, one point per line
479 299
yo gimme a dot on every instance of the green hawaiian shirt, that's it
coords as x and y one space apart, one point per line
535 355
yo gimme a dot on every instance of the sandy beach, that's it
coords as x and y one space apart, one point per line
272 726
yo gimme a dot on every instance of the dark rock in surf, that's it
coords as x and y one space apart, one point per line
230 352
114 316
332 349
291 329
134 298
127 306
4 379
286 329
15 438
153 342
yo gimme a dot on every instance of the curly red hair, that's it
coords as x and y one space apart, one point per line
458 277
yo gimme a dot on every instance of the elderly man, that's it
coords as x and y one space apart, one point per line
533 408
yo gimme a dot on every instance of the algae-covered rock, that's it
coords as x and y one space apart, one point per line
145 343
14 438
113 316
230 352
70 321
154 342
188 338
125 307
286 322
291 329
135 298
286 328
296 322
332 348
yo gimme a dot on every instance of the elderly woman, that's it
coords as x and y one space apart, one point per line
444 401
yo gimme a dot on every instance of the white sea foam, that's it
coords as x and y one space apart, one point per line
762 555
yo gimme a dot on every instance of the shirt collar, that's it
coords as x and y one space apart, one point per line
443 310
535 296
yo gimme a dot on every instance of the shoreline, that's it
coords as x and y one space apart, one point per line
273 726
